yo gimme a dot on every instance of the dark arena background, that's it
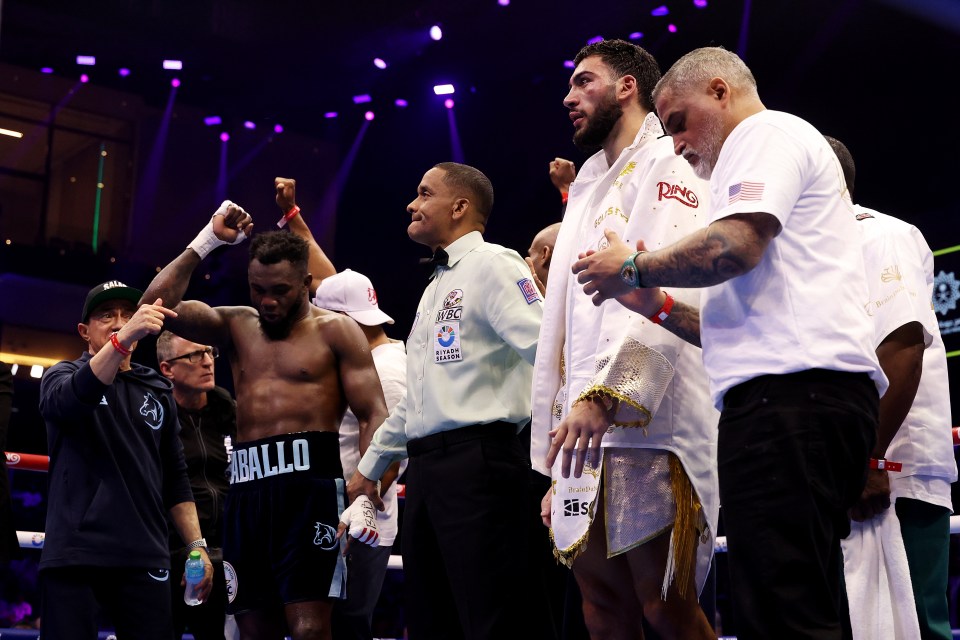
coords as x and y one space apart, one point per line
124 124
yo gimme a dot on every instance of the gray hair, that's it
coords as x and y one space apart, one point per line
165 346
696 68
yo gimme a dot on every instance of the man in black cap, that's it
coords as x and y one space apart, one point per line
116 465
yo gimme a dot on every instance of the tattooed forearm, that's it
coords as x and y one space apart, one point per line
726 249
684 322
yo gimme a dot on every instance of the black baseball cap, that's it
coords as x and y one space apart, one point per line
110 290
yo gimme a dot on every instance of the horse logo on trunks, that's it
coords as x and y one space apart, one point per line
326 537
152 411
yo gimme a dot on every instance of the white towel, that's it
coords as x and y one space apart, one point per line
878 580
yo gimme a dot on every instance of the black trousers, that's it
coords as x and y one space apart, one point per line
137 601
792 458
464 545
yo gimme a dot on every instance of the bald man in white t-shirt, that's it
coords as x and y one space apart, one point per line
786 342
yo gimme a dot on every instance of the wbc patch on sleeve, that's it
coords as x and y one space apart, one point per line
530 291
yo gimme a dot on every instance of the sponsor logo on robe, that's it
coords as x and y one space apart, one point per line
890 274
271 459
627 170
611 211
683 195
575 507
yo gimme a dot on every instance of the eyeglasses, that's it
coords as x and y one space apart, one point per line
195 357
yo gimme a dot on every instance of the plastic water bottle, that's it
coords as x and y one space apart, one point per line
193 570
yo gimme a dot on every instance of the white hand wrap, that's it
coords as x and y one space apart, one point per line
361 521
206 241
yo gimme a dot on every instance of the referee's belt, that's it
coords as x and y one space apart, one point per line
444 439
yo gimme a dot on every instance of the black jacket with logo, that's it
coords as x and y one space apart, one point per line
203 433
116 466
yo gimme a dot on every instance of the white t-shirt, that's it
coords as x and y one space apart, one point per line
801 307
899 267
391 362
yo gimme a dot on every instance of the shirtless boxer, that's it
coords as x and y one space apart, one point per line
295 369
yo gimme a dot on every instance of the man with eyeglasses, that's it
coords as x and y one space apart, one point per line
208 427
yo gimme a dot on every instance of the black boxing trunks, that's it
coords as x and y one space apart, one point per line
285 499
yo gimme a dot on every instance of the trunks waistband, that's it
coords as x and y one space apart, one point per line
316 453
459 435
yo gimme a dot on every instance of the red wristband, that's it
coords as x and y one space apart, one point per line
664 312
115 341
885 465
564 196
289 214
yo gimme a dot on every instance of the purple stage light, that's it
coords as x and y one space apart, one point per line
569 64
368 115
443 89
330 114
278 128
503 3
123 71
87 61
400 102
224 136
595 40
175 65
361 98
212 121
175 83
379 63
46 69
660 11
700 4
435 32
249 124
636 35
672 28
448 103
84 78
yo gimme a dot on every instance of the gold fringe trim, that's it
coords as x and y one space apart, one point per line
601 392
686 526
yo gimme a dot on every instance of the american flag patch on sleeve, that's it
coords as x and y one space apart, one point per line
530 291
745 191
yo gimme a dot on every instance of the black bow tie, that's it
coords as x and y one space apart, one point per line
438 259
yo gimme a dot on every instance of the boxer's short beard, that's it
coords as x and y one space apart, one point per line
280 330
591 137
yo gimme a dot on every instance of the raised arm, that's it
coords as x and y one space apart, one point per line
318 263
230 224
